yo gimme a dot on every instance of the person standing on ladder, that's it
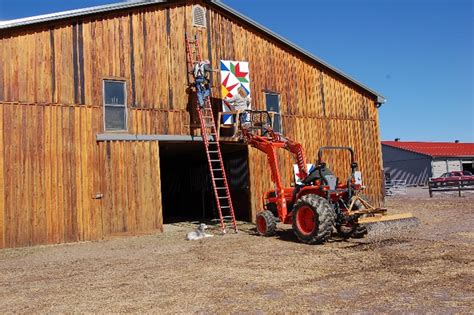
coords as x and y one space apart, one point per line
202 72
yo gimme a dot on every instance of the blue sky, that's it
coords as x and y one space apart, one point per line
417 53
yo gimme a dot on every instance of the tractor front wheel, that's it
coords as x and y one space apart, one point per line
266 223
313 219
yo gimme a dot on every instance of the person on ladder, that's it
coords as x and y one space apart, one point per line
202 72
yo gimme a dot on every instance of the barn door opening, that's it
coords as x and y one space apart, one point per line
186 187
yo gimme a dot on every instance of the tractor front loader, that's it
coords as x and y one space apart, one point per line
318 204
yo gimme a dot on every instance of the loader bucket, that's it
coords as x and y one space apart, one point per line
384 223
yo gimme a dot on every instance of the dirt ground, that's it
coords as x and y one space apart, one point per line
429 269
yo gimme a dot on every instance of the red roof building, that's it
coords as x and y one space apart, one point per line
435 149
415 162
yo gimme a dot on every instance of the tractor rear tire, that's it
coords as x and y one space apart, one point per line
266 223
313 219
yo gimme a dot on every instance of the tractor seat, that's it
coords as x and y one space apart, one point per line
327 174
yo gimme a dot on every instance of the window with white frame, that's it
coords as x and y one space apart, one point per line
272 101
115 108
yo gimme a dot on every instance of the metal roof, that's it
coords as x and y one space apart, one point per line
76 13
141 3
435 149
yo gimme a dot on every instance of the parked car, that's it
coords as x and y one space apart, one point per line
454 175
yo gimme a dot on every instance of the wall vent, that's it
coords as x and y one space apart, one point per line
199 16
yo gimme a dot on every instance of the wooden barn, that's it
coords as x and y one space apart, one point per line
98 129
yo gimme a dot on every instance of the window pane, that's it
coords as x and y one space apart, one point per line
277 123
273 105
114 92
115 118
272 102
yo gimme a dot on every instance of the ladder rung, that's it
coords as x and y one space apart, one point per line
215 160
217 169
213 151
220 178
224 197
220 188
226 207
226 219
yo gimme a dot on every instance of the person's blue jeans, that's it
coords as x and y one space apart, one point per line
202 89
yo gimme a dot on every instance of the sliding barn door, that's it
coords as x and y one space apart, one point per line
131 191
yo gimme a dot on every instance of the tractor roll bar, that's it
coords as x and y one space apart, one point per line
354 165
322 149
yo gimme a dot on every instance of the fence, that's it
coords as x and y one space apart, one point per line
458 185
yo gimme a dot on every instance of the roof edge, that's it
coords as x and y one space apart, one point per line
76 13
380 99
392 144
405 149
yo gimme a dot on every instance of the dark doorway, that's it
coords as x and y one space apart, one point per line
468 166
187 193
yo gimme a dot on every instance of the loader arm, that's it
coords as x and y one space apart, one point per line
297 150
269 145
276 140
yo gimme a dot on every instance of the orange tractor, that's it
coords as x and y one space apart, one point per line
319 202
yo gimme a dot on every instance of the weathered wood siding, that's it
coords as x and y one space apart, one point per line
51 110
318 107
131 187
50 171
52 168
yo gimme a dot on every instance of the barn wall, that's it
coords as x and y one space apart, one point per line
66 62
52 168
51 109
51 97
318 108
50 172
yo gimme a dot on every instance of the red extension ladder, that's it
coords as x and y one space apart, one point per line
211 144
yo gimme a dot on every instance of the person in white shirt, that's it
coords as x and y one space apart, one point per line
240 101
